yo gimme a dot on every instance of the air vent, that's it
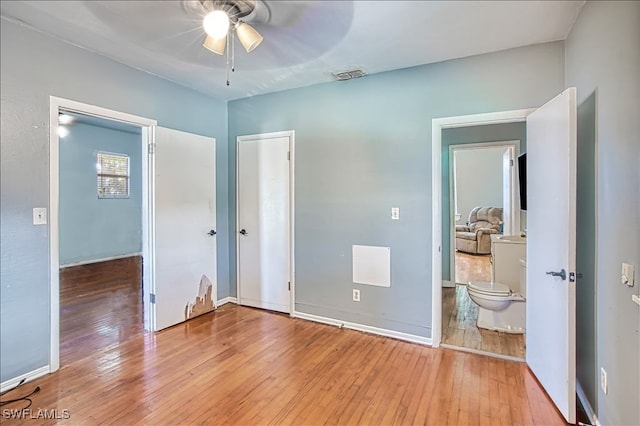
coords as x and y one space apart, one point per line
349 75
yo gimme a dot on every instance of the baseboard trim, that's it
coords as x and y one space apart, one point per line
586 405
226 300
365 328
103 259
448 284
32 375
479 352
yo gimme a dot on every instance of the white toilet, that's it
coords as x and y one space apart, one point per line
500 307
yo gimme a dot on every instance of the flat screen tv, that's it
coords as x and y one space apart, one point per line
522 178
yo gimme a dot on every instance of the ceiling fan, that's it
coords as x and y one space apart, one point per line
223 19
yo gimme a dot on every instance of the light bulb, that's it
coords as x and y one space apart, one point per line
63 132
216 24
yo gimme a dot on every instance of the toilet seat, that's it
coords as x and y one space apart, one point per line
490 288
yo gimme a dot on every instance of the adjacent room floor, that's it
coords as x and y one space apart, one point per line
240 365
459 313
100 306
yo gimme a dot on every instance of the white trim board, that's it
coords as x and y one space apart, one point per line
365 328
103 259
147 125
226 300
31 375
582 397
437 124
484 353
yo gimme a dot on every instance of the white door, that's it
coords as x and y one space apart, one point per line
263 239
185 221
508 198
551 260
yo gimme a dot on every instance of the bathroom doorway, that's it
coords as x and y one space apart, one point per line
481 171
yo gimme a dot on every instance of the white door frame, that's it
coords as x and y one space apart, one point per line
148 129
474 146
437 124
284 134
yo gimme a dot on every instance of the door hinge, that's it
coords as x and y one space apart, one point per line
289 285
288 155
511 162
152 148
152 298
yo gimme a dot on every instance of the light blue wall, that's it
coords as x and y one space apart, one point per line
603 56
33 67
469 135
364 146
93 228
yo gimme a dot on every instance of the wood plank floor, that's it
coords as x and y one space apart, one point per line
246 366
100 306
460 314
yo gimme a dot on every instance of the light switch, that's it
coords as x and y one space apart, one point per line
395 213
628 273
40 216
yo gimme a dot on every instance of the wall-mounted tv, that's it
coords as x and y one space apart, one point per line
522 178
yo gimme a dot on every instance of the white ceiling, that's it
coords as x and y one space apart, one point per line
304 41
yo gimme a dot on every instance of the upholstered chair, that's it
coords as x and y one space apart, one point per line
475 237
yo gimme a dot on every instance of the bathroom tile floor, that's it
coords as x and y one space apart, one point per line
459 313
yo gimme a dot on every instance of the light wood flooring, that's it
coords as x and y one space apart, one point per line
459 313
246 366
100 306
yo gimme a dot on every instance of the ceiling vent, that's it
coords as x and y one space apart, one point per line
349 75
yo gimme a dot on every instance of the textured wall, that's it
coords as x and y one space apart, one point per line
364 146
33 67
603 56
93 228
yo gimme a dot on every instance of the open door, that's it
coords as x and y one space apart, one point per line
185 221
551 248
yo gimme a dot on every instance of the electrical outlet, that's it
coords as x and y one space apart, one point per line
356 295
395 213
603 381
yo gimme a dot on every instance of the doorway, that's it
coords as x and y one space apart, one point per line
481 175
265 188
100 234
60 106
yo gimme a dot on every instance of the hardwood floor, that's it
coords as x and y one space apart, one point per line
470 267
100 306
459 313
246 366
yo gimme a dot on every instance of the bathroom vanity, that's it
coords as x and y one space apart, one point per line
506 253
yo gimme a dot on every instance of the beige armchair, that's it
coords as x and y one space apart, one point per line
475 238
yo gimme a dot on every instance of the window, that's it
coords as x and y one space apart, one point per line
113 175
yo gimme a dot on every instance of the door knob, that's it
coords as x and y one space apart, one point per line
211 233
243 231
562 274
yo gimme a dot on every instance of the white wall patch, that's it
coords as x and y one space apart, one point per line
372 265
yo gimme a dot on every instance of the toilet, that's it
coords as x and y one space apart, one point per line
500 307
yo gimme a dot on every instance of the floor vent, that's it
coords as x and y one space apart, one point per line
349 75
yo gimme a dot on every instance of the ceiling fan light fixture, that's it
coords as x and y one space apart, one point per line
216 45
248 36
216 24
